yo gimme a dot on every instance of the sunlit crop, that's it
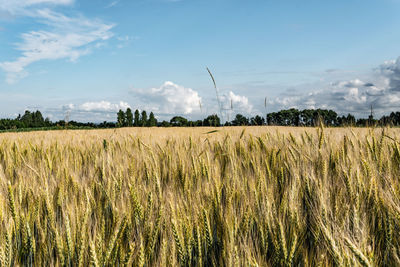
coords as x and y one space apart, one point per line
255 196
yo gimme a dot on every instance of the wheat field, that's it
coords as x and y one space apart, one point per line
255 196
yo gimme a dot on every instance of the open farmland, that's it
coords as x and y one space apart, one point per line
265 196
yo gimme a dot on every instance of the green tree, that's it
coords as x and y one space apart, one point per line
129 117
121 118
179 121
38 120
240 120
143 119
152 120
212 120
137 118
395 118
47 122
165 124
26 119
257 120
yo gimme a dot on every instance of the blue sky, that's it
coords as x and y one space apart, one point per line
89 58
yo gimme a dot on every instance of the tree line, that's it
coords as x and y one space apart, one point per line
128 119
35 120
287 117
27 120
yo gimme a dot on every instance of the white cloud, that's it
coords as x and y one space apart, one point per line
68 107
169 98
92 111
238 103
100 106
68 37
103 106
356 96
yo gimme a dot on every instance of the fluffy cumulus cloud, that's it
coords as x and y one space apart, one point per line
65 37
381 90
169 99
237 103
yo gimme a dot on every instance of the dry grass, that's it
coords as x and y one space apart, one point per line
265 196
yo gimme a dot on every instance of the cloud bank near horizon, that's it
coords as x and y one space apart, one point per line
172 99
381 89
166 101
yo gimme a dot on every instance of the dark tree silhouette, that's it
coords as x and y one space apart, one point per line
152 120
121 118
212 120
178 121
143 119
129 117
240 120
137 118
257 120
